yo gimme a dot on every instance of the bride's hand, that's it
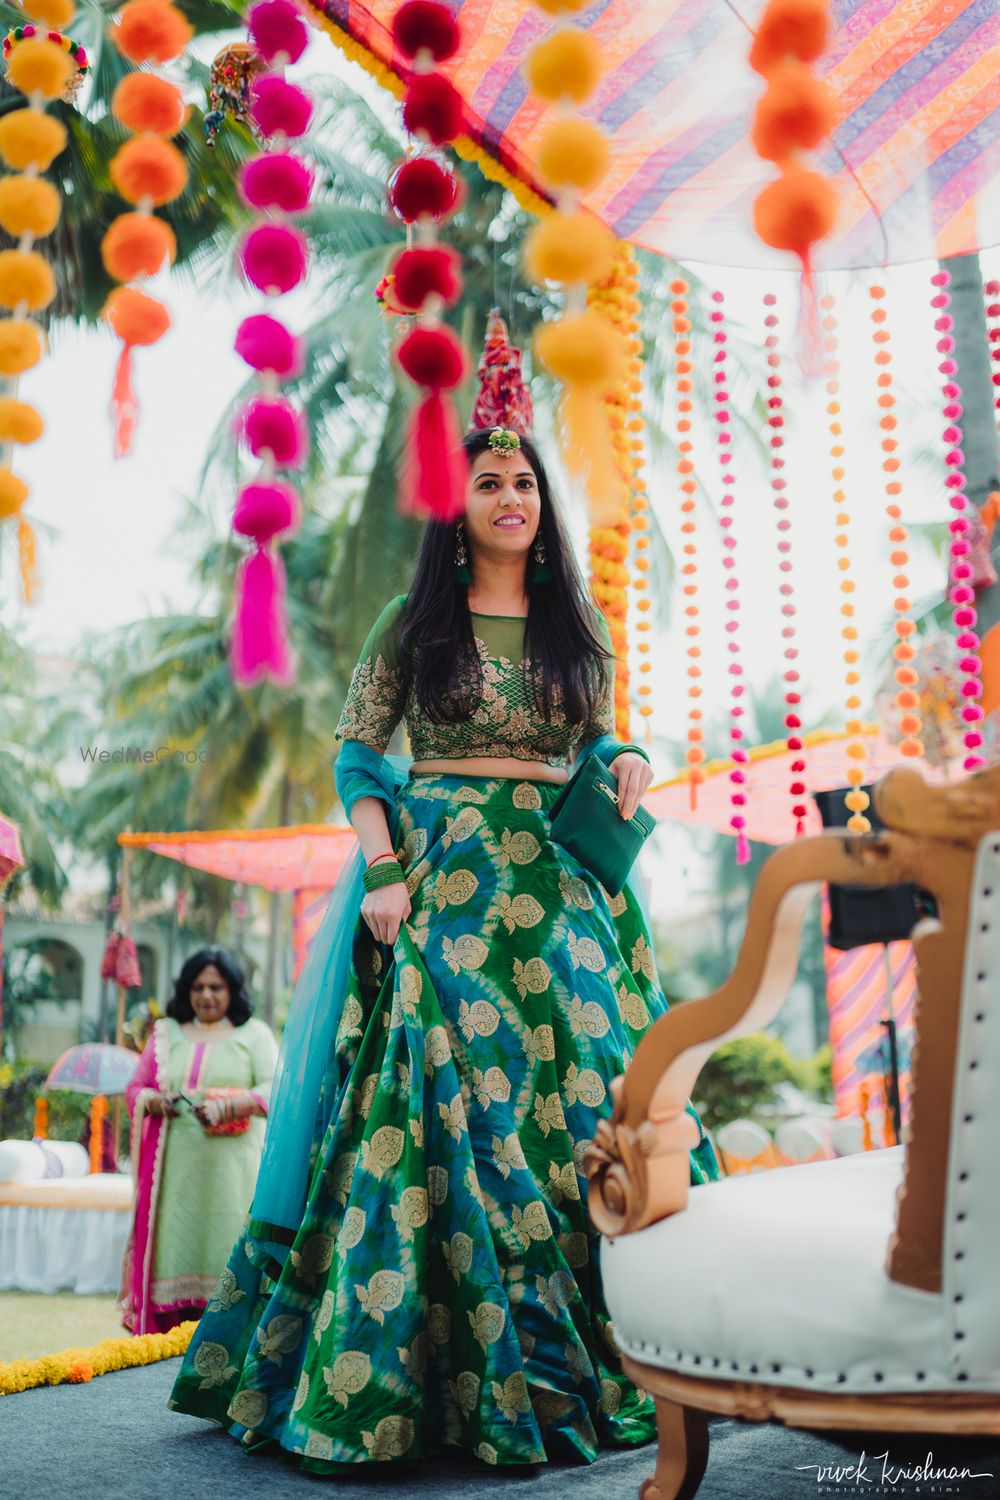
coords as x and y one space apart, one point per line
633 773
385 909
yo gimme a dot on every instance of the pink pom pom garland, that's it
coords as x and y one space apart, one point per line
991 291
961 593
776 422
275 258
279 108
276 180
268 347
272 427
739 786
681 324
278 32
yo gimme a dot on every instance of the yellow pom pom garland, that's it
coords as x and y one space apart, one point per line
19 422
28 205
572 248
43 66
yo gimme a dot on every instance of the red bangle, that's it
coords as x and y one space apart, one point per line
390 855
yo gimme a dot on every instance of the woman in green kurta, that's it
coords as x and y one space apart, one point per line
420 1271
197 1104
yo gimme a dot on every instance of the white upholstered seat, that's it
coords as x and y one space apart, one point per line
780 1277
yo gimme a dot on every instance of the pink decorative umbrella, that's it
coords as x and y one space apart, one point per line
93 1068
769 808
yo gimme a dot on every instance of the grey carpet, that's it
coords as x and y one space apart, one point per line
115 1439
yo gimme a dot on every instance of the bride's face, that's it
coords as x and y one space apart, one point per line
503 504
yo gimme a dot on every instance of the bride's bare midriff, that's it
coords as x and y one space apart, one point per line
491 765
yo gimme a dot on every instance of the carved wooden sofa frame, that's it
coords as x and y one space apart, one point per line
638 1166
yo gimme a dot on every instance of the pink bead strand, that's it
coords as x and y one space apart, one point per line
961 592
776 422
739 785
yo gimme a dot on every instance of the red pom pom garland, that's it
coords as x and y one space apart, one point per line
425 27
275 256
425 278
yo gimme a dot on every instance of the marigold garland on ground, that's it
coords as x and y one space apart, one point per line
78 1365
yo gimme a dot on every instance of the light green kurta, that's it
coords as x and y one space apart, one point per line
207 1182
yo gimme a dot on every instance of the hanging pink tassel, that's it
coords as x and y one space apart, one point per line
436 470
124 407
742 848
260 635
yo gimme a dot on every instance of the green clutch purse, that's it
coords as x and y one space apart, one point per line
585 820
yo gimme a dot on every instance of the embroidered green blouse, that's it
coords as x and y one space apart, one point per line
506 723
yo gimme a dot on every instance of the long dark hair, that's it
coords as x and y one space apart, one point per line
437 647
228 965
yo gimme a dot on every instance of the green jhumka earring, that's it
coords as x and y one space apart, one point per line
540 573
461 570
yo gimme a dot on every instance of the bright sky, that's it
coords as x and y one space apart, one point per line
111 538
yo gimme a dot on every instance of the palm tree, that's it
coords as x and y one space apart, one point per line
32 727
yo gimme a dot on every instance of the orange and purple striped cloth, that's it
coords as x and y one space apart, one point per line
915 154
856 986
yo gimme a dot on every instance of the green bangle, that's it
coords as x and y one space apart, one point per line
386 872
634 750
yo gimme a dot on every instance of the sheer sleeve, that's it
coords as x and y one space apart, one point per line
377 694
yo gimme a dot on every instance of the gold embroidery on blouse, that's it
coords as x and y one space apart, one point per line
505 723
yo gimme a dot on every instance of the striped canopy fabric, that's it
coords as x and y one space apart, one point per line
915 153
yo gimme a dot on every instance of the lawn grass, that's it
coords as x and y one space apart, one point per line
33 1323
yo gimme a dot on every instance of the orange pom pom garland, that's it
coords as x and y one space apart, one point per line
904 651
856 800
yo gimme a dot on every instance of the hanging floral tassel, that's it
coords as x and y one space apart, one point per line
40 1130
503 399
260 637
435 472
136 319
27 561
98 1114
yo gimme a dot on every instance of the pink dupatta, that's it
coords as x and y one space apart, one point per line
149 1138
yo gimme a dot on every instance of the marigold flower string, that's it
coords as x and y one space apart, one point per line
776 441
739 785
906 701
616 298
961 592
681 324
856 800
